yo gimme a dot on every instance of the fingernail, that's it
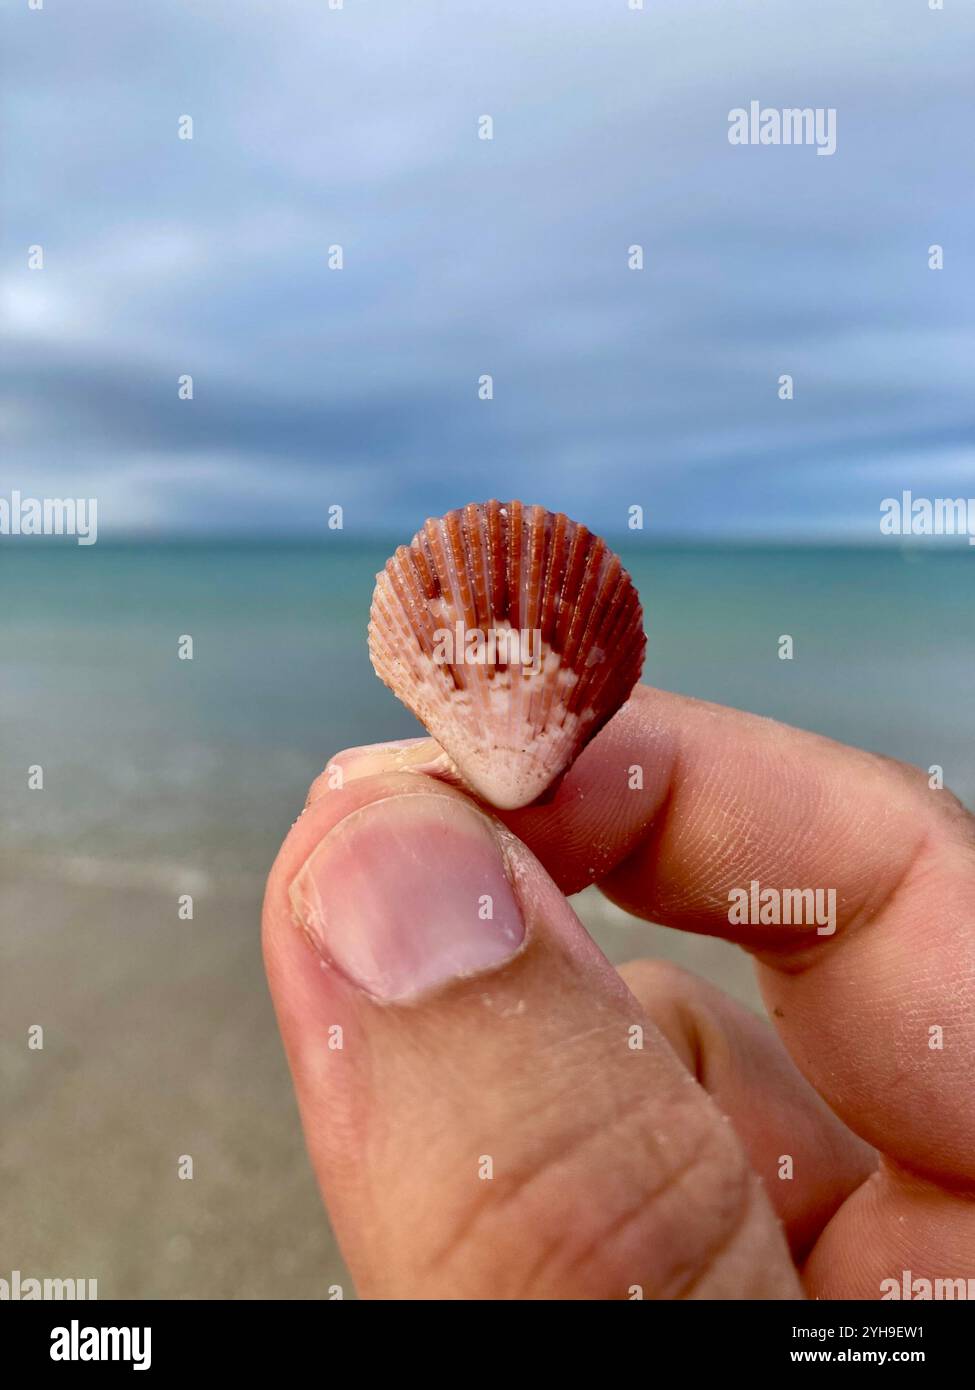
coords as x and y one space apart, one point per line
408 893
402 755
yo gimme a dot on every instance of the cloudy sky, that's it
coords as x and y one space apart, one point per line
358 126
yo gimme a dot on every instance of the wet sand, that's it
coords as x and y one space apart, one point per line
159 1041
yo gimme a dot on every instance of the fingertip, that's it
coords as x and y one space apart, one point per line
373 759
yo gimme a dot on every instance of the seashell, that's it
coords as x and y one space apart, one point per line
514 635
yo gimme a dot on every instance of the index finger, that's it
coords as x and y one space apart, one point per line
680 807
680 810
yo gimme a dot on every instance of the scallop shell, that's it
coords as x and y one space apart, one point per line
513 634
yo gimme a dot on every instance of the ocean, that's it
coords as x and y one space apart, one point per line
163 777
150 761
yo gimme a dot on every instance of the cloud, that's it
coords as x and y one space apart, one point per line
314 127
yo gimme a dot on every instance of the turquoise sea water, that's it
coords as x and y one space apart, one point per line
150 761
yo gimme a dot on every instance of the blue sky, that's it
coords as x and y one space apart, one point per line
358 126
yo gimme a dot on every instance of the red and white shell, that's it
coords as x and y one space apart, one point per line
513 634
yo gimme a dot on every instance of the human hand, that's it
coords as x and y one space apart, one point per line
488 1127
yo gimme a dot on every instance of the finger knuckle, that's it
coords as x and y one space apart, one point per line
640 1200
943 813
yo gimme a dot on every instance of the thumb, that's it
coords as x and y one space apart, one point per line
489 1112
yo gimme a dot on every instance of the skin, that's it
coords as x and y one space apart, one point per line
658 1169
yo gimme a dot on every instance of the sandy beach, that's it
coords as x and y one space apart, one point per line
160 1041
